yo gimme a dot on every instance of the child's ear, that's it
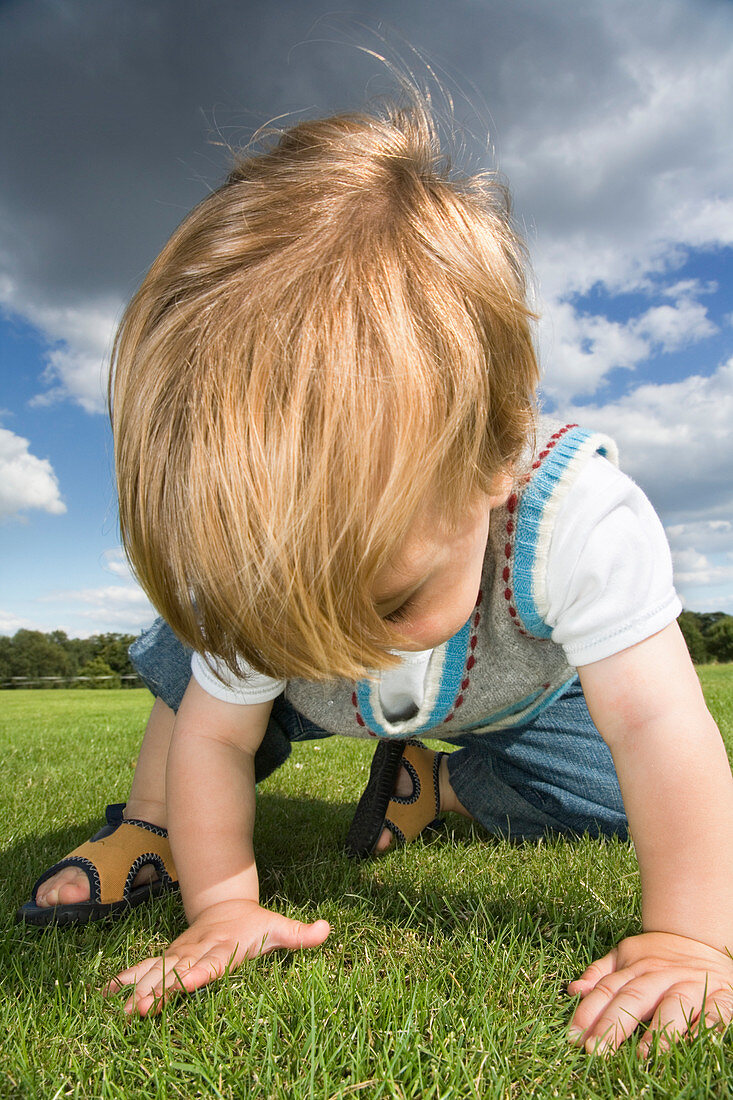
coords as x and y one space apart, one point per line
501 488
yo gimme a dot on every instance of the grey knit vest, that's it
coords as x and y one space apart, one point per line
502 668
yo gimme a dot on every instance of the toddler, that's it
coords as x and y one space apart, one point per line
335 488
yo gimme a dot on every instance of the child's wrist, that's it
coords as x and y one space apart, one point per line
210 899
718 939
229 888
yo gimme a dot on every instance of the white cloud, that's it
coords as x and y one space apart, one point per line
717 535
696 570
125 596
672 327
578 349
84 611
702 553
79 339
689 288
119 607
114 561
9 623
618 181
25 480
675 440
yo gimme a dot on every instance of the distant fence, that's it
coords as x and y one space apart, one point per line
132 679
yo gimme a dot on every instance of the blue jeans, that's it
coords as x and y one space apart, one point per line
554 773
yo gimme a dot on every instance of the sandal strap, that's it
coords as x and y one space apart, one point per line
112 859
407 817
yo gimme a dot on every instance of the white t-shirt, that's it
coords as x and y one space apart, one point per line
609 586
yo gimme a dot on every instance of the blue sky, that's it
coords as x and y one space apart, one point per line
619 155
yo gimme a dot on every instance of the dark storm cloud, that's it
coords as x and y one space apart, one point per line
114 105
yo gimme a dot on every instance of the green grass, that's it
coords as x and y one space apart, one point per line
443 976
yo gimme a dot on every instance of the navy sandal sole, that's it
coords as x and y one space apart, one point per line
86 911
368 822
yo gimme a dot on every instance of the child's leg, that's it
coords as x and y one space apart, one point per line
449 801
552 774
555 773
165 666
146 803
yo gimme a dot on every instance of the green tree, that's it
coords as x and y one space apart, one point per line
690 627
99 674
112 648
6 658
719 639
35 656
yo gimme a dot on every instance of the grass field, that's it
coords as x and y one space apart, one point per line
443 976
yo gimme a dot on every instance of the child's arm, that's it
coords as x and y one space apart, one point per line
678 794
211 808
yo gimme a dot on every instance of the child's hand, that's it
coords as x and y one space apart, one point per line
221 937
672 981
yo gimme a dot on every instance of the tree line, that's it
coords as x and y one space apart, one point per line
709 636
32 659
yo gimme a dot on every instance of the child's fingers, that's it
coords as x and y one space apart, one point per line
615 1007
180 979
717 1012
676 1014
593 973
183 977
131 976
144 978
293 935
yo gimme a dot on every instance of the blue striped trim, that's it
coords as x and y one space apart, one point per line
451 677
530 513
486 723
490 719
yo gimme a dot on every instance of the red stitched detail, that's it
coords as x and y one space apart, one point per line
470 661
545 687
359 719
511 506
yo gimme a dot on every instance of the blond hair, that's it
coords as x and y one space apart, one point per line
338 330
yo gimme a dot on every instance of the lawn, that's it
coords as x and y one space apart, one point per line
443 976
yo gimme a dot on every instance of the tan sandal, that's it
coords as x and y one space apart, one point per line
111 861
378 808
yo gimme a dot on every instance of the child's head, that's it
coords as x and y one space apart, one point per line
335 339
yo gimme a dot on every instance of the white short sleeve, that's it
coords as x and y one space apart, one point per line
609 573
249 687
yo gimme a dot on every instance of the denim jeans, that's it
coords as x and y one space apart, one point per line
554 773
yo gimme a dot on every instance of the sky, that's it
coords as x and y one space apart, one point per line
611 120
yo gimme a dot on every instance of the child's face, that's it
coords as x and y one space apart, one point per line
430 588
